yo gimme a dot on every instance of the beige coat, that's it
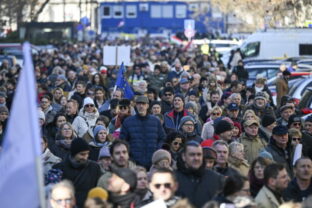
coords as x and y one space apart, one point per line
266 199
281 89
241 166
252 147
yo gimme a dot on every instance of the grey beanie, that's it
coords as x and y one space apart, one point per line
97 129
185 119
266 155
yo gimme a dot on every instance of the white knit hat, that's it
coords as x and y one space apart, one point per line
87 101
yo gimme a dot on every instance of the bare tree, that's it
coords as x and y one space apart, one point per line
19 11
291 13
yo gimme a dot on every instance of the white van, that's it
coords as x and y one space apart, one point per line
221 46
278 44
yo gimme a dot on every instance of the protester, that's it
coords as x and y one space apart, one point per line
237 159
83 173
48 158
100 139
144 133
121 187
142 191
196 183
280 147
63 195
105 159
163 186
275 182
251 140
301 186
234 186
222 162
256 176
187 128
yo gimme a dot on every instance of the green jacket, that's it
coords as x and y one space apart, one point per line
252 146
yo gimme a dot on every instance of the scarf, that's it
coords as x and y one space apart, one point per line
77 165
63 143
122 201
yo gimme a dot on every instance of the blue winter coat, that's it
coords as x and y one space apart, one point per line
145 135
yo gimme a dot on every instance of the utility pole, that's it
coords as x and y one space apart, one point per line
64 13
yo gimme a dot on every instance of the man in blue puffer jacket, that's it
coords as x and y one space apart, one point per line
143 132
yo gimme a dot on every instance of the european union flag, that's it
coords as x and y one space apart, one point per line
123 84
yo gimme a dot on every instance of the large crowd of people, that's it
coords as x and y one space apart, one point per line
193 135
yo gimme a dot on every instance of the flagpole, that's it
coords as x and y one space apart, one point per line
41 189
115 87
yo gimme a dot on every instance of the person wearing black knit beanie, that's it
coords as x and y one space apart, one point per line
83 173
223 129
267 124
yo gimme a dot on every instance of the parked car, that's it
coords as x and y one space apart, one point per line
10 59
305 104
264 69
297 90
305 61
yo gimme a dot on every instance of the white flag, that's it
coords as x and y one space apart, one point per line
19 175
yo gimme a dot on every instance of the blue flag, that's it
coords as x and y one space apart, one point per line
123 84
20 158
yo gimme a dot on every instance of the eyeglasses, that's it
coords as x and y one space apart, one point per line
89 106
168 94
296 139
60 201
166 185
123 107
190 125
216 114
176 143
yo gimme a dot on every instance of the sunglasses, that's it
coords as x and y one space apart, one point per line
296 124
123 107
216 114
168 94
166 185
89 106
176 143
296 139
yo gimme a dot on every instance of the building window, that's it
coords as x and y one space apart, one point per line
305 49
118 11
156 11
106 12
193 7
181 11
143 7
167 11
131 11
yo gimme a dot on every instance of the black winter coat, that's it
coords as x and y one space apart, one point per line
307 144
198 186
83 178
281 156
293 192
